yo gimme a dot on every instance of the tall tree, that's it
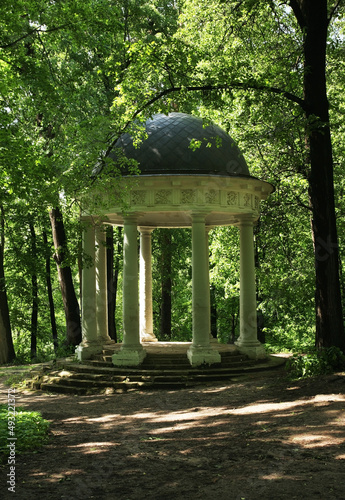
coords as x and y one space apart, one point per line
70 301
313 17
165 266
114 254
7 353
34 294
50 292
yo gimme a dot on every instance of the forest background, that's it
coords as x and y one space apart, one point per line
75 75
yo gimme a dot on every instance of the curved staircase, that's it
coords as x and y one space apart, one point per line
170 370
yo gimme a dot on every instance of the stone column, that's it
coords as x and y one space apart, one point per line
145 288
90 343
247 342
201 350
212 339
101 287
131 352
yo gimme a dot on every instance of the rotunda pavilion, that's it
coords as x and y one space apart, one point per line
178 186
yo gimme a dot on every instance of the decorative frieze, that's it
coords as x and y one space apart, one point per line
232 198
138 197
167 201
163 197
187 196
247 200
212 197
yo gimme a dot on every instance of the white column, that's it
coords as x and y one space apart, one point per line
145 288
212 339
131 352
90 344
248 342
201 351
101 287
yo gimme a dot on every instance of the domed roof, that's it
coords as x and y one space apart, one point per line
167 148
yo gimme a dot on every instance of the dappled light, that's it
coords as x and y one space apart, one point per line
248 438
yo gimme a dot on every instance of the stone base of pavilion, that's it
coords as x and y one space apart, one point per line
197 355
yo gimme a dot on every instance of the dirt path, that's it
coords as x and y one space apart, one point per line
261 437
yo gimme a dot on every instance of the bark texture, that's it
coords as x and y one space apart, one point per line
7 353
50 293
312 16
71 305
34 296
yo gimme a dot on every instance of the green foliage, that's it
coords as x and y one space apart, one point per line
316 363
74 74
31 430
181 279
225 280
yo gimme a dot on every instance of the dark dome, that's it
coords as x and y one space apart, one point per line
167 148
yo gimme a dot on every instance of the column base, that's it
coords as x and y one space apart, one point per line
129 356
148 337
254 350
106 340
199 355
86 351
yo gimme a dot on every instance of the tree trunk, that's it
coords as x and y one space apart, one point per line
34 295
313 19
7 354
50 293
71 305
214 312
165 267
117 260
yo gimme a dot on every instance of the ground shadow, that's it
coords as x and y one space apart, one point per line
256 438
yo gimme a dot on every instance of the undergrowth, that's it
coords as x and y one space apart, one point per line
316 362
30 430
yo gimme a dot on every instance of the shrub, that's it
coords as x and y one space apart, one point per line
316 363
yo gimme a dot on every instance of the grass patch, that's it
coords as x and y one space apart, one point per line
15 376
31 430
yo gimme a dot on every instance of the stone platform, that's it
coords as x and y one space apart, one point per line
165 366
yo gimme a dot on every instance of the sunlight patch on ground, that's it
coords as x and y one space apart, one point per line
316 440
106 418
276 476
187 418
95 447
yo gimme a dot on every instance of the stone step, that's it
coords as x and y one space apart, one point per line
108 370
166 372
46 387
80 387
67 376
178 364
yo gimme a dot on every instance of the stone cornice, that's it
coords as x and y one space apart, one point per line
168 201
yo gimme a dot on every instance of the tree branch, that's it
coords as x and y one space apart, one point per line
295 6
244 86
29 33
335 8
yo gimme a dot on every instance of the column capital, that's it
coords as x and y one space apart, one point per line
131 218
146 229
199 215
246 220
